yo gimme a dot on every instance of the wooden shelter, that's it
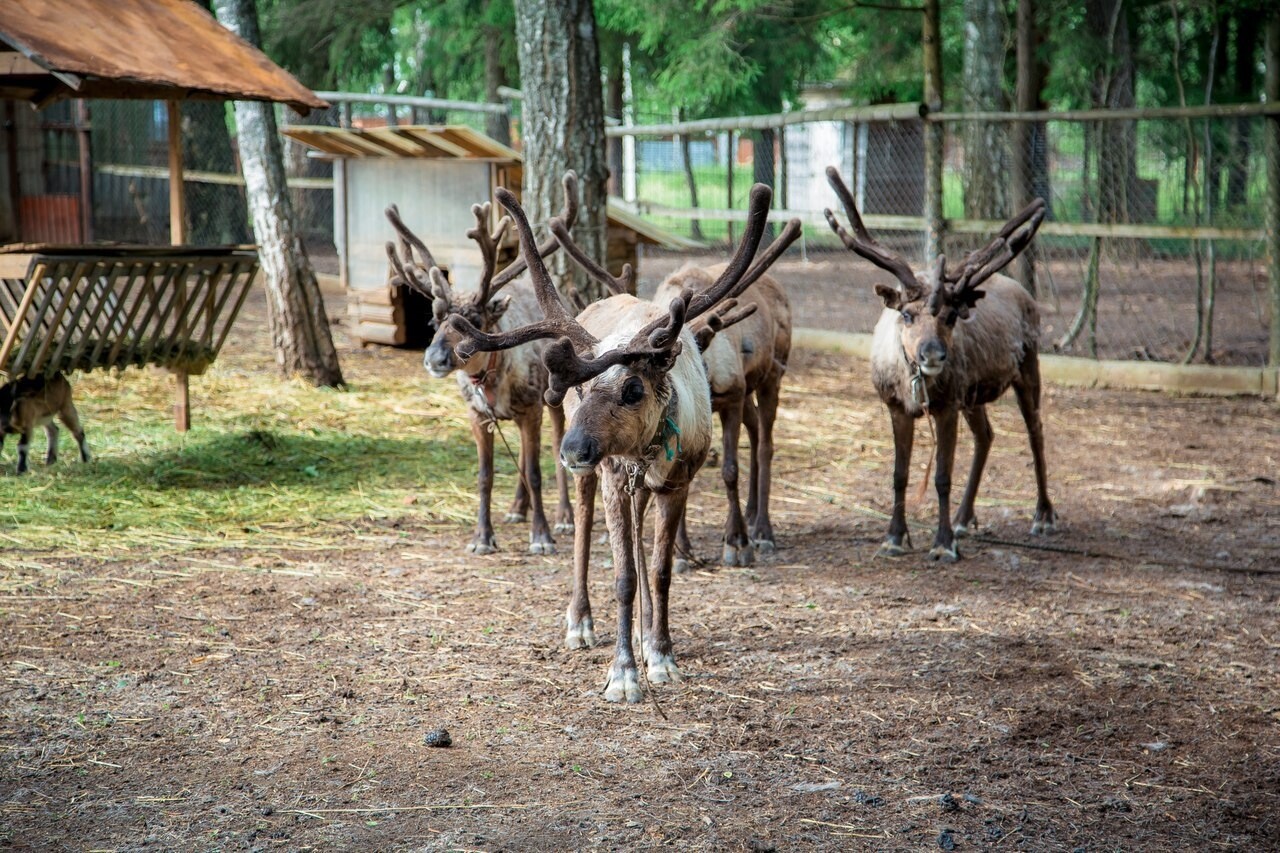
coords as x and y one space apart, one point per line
87 307
434 174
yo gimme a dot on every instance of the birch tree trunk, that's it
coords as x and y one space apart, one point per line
295 310
563 125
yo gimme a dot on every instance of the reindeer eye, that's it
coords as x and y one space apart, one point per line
632 392
908 317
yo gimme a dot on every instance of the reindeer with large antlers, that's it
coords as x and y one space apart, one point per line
936 354
639 424
745 366
496 386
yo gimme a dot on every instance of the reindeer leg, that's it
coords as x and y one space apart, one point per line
685 557
762 473
751 420
51 433
904 431
980 426
944 543
564 513
519 510
1028 390
581 632
623 682
737 546
540 541
658 654
483 542
71 420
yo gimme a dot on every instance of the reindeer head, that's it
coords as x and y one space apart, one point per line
626 385
481 309
929 304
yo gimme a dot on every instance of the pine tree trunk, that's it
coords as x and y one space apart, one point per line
1030 168
295 310
1114 89
986 188
495 76
563 125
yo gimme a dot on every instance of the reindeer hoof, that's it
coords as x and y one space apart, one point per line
738 555
889 548
764 546
580 636
482 548
564 527
962 529
515 518
1045 526
542 547
623 685
943 554
662 669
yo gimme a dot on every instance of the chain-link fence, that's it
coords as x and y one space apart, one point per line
1154 246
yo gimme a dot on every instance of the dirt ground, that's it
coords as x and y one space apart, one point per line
1115 690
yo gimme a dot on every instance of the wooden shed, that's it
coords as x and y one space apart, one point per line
434 174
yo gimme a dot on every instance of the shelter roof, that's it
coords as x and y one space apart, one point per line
458 142
144 49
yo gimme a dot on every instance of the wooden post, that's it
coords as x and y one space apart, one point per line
932 44
86 170
1271 139
178 236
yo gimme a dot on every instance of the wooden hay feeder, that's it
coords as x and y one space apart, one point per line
65 308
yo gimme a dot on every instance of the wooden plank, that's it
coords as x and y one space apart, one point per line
377 296
16 265
164 309
247 284
137 272
378 333
46 325
146 297
29 294
177 188
392 315
64 334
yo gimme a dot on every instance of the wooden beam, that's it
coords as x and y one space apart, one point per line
177 193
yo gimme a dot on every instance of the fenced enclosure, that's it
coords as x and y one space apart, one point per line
1154 248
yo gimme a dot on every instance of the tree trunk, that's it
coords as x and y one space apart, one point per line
614 97
986 189
563 125
762 170
695 226
1030 168
1248 28
1113 88
495 76
295 310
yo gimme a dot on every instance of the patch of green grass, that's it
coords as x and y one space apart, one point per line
266 459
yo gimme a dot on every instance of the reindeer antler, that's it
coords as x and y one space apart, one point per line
863 243
569 215
488 244
625 283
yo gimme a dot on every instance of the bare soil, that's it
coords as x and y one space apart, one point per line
1113 687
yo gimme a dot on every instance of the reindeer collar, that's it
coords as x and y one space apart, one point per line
479 380
919 382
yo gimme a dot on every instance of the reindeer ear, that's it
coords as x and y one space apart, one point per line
498 307
892 296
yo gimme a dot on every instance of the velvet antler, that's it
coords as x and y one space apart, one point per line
863 244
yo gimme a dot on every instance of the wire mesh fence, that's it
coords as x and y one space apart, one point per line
1155 244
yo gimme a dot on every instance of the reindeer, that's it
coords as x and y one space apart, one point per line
744 366
506 386
28 403
933 354
640 425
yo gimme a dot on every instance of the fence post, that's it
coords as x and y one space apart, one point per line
932 44
733 155
178 236
1271 141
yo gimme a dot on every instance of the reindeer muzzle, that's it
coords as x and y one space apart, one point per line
579 452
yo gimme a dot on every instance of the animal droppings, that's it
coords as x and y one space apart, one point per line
438 738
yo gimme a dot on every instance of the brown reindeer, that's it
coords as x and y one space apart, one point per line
745 365
935 353
639 426
497 386
28 403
